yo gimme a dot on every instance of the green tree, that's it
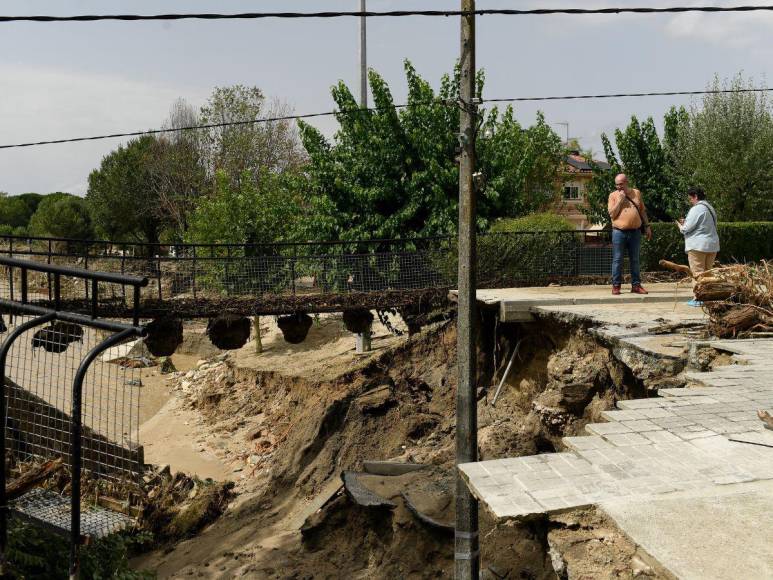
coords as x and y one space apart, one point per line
727 148
14 212
247 149
62 215
394 173
650 164
32 200
122 192
261 211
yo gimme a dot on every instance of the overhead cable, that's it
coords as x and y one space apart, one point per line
612 10
378 109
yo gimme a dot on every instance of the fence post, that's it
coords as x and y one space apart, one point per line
158 265
10 270
48 275
193 276
292 266
86 267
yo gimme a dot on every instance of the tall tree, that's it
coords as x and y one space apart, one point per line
727 148
62 215
247 149
121 193
178 170
262 211
650 164
394 173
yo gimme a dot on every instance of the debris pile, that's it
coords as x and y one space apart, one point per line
738 299
171 506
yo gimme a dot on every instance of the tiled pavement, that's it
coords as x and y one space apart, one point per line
681 440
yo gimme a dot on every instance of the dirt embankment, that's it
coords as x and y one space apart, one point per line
295 436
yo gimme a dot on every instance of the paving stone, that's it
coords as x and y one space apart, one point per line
626 439
642 425
607 428
624 415
660 436
585 443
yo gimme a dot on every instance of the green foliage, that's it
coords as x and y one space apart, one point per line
14 212
250 149
727 148
32 200
121 193
724 145
261 211
62 216
393 172
531 248
649 162
34 552
536 222
739 242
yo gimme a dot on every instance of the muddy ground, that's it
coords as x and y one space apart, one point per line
285 425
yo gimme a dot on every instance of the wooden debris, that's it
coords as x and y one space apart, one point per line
22 484
737 298
675 267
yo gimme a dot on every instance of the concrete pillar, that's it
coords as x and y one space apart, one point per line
363 341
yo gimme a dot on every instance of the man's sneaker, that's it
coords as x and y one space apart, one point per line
616 290
638 289
695 303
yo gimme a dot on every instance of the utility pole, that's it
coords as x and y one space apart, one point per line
466 552
567 131
363 58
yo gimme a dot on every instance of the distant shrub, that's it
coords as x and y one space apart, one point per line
535 222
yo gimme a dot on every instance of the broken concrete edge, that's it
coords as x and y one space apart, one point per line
515 518
361 495
431 522
390 468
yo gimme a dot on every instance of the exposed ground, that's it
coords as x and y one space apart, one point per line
285 424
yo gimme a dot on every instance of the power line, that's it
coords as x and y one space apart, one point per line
378 109
612 10
627 95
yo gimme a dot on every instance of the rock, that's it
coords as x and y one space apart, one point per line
253 459
134 383
166 366
576 396
200 363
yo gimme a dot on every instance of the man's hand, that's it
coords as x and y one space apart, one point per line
648 233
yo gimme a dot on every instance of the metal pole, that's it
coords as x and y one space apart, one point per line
76 444
466 552
363 57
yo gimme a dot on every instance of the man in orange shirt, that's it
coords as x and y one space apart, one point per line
629 219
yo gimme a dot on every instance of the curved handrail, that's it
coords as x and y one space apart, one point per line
4 350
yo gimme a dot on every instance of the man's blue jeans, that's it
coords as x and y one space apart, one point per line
625 241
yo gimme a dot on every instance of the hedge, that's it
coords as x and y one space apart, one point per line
739 242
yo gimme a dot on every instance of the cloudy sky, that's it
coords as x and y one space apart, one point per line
73 79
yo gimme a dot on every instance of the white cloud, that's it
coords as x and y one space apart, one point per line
737 30
43 103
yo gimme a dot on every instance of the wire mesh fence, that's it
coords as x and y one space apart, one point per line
40 371
313 268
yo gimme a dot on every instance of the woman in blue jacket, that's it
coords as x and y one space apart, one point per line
701 240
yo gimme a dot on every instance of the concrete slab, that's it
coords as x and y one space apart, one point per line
711 534
514 303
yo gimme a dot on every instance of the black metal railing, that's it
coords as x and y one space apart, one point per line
319 267
60 398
